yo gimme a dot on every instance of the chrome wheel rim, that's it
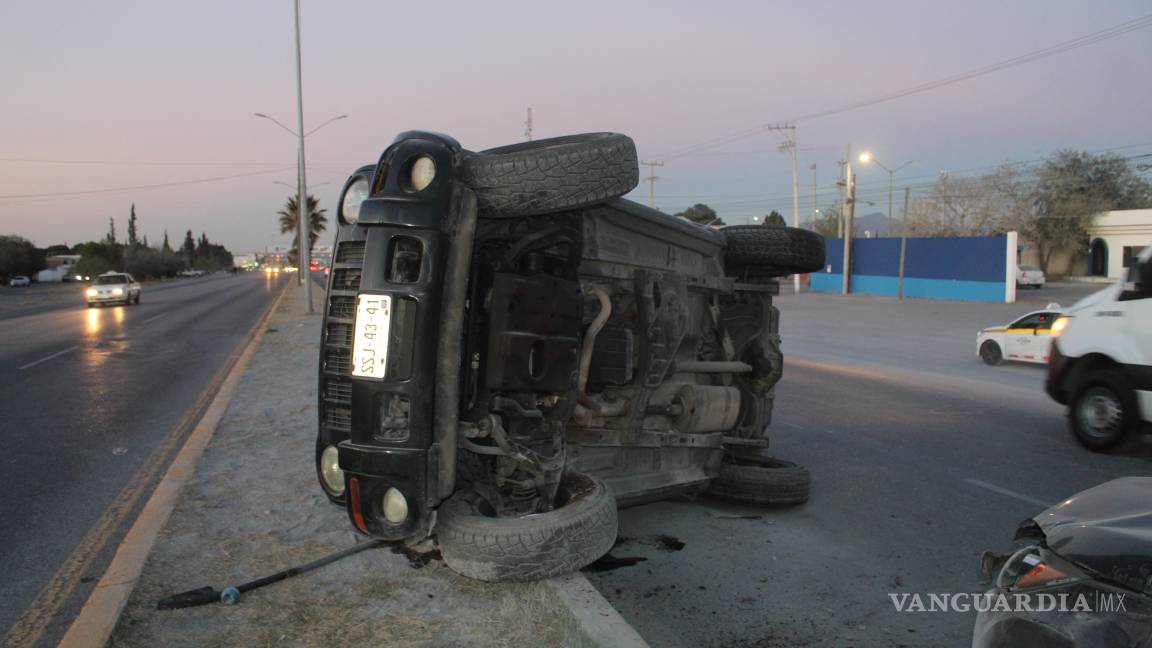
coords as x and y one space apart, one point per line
1100 412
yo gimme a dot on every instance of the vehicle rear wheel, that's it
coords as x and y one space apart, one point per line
991 354
760 251
754 477
1102 411
580 530
551 174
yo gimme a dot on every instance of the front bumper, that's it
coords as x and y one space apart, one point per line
1058 366
107 299
1078 615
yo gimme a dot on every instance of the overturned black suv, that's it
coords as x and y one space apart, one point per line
510 351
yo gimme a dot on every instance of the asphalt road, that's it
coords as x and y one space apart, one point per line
922 457
92 405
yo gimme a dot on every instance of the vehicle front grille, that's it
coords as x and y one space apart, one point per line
346 279
338 392
338 418
350 252
338 361
339 335
342 306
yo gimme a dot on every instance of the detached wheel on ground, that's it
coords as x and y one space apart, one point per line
991 354
761 251
551 174
579 531
754 477
1102 411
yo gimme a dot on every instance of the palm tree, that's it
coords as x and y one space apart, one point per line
317 221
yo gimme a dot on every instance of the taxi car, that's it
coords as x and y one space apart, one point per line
113 287
1028 339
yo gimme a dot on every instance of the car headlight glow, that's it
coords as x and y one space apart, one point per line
1059 325
117 291
330 470
91 292
353 197
395 506
421 173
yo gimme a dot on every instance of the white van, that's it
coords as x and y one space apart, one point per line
1101 360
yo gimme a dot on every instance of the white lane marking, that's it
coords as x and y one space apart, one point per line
153 318
1004 491
47 358
792 425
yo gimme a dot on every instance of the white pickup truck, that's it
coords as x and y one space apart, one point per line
1101 360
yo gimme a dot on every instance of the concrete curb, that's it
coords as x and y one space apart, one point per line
594 614
101 611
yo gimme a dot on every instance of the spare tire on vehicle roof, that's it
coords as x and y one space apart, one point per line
770 251
551 174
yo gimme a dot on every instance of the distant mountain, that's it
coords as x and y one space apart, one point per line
874 225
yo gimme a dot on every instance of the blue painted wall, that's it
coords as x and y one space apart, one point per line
962 268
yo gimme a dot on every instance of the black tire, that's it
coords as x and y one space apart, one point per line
754 477
761 251
531 547
551 174
1102 411
991 354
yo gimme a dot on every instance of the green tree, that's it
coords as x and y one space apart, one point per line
827 224
1054 210
774 219
317 221
111 236
97 257
133 240
166 247
701 214
19 256
188 250
55 250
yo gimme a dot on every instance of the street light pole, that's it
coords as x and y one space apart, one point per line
304 251
849 213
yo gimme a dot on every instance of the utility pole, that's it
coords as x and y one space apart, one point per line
789 144
815 208
528 125
849 214
903 245
652 178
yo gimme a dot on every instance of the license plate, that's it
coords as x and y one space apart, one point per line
370 347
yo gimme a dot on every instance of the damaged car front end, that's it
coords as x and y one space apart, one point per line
1083 578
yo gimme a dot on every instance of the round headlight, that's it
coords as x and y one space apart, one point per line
395 506
421 173
330 471
356 193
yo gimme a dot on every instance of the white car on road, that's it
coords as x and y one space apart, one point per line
1028 339
112 288
19 281
1027 275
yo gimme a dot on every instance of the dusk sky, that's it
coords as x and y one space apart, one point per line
119 94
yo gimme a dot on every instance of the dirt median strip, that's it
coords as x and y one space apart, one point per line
252 507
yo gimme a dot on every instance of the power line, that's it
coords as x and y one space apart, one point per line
1064 46
160 185
164 163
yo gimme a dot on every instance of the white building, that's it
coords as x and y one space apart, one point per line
1115 239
